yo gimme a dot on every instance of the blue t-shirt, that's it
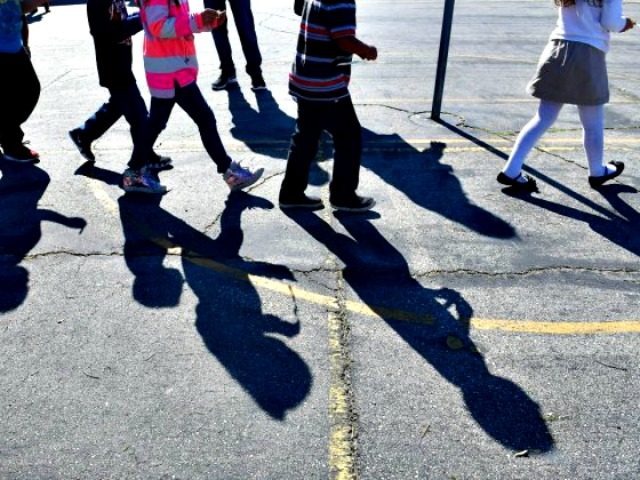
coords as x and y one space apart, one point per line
10 26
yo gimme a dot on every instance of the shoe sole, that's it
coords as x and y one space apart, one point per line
259 89
143 190
307 206
9 158
159 168
241 186
356 209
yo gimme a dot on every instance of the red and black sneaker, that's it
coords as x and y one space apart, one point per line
21 154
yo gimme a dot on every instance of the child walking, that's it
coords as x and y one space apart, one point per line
319 83
171 69
19 84
112 27
572 69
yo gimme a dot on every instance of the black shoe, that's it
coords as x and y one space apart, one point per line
356 204
304 201
160 162
84 147
224 81
529 186
257 82
596 182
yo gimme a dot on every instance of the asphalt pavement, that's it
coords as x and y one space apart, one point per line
457 331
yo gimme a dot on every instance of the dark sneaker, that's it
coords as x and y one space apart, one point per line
84 146
258 83
304 201
596 182
21 154
160 162
224 81
141 181
522 183
238 177
356 204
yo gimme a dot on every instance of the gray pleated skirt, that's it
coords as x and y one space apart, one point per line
571 72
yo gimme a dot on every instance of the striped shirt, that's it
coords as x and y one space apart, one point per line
169 49
321 71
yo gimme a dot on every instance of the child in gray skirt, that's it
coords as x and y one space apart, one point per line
572 69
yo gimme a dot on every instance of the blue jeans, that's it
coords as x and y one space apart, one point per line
340 120
128 102
190 99
246 31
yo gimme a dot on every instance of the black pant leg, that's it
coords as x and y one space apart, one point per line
19 94
303 148
347 141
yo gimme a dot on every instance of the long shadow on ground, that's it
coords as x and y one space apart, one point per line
420 175
378 272
21 187
229 316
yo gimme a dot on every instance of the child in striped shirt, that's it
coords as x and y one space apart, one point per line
319 82
171 69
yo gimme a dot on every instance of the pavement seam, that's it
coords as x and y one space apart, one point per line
343 416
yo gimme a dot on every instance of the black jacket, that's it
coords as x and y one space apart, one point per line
112 28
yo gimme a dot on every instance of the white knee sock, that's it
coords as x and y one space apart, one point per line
545 117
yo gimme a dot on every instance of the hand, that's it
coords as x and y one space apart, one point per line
370 53
629 25
213 17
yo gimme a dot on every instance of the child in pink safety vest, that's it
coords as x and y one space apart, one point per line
171 69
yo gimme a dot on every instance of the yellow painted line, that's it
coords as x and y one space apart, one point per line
558 328
516 326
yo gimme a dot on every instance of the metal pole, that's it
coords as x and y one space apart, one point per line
443 56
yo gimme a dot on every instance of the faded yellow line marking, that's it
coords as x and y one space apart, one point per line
518 326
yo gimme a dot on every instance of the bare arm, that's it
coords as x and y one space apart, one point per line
353 45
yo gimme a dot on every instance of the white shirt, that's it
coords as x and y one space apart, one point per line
590 21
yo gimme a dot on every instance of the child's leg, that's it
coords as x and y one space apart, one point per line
102 120
592 119
347 141
23 82
221 40
193 103
134 110
245 24
159 114
545 117
303 149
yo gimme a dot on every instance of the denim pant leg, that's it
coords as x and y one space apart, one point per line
97 124
303 148
347 143
245 24
193 103
130 102
23 82
221 40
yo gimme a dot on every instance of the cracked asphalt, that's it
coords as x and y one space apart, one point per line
455 332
